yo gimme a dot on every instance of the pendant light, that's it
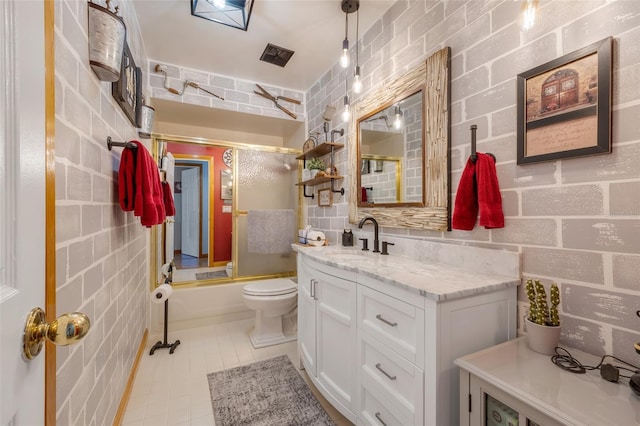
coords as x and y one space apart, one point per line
348 6
346 112
528 14
397 121
357 80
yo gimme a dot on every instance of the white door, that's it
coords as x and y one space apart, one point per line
170 173
191 212
22 206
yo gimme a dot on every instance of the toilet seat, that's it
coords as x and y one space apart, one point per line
270 288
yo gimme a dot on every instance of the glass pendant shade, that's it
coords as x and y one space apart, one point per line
528 14
357 81
346 112
344 59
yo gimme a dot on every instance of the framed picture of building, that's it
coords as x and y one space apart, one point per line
564 106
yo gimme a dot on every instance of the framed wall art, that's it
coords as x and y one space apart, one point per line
564 106
324 197
127 90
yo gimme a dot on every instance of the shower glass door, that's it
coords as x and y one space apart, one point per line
266 207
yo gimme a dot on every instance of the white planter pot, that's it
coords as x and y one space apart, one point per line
542 338
313 173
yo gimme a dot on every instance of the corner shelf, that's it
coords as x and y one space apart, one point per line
322 149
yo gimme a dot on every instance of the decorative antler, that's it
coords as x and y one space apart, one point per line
159 68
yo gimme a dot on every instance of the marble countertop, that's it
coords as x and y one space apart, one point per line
572 399
430 279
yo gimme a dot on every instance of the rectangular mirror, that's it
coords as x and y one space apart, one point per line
406 121
226 185
392 137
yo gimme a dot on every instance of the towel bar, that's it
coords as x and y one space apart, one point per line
111 144
473 155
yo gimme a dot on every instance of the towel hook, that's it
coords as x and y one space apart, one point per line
474 157
111 144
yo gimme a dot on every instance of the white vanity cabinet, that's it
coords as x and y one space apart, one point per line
379 335
327 331
391 359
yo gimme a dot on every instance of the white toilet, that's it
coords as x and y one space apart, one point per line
271 299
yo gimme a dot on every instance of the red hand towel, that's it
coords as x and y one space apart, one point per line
126 175
148 204
465 210
169 207
489 198
364 194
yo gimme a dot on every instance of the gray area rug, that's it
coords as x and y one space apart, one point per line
269 393
209 275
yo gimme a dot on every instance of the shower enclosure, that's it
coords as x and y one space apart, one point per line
242 216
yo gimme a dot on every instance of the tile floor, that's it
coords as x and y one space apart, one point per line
172 389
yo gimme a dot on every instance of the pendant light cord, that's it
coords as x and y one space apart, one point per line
357 37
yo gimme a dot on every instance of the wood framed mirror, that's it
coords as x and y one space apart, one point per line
421 199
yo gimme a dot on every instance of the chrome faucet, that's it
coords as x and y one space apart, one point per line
375 231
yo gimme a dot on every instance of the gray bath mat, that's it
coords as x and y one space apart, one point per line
267 393
212 274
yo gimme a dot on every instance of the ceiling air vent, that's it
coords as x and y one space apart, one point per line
276 55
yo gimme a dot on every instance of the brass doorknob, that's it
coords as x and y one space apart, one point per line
64 330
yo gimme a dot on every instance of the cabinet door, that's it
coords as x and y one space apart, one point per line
336 337
306 319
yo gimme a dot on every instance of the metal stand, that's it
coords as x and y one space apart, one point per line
165 345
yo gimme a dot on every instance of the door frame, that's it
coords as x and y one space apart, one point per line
50 209
198 166
211 182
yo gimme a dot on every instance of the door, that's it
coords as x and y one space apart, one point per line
306 318
170 173
22 205
336 323
191 212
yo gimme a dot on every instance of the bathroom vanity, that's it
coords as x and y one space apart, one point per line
378 334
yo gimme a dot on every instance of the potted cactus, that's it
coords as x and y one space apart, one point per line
543 321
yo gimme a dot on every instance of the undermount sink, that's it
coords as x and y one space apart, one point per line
346 255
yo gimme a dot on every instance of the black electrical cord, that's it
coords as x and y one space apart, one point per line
566 361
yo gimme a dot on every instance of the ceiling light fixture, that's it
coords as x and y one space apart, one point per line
348 6
357 80
233 13
528 14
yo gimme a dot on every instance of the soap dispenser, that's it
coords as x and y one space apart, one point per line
347 238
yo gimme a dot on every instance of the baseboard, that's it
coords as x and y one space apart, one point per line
117 421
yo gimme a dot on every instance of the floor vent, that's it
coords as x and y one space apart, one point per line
276 55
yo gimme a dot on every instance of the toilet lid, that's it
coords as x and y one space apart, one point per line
270 288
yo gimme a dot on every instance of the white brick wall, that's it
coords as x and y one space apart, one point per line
101 252
238 94
576 222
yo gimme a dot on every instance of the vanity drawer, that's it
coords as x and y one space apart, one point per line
397 324
386 373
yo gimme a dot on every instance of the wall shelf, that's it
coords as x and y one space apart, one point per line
321 150
319 180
